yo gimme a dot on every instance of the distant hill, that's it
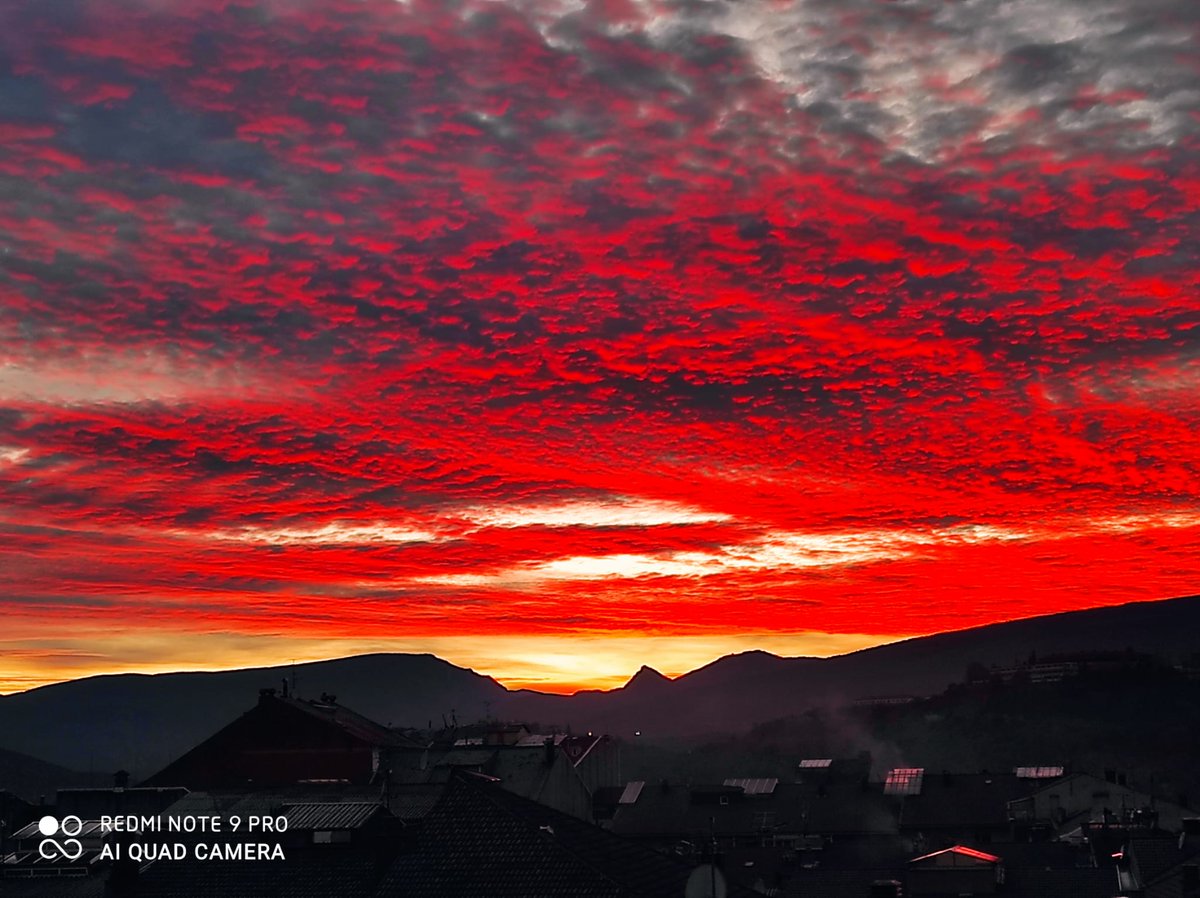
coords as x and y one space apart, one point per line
31 779
140 722
1143 722
738 691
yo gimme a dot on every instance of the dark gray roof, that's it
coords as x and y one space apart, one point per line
483 840
1155 857
315 873
1080 883
412 802
244 802
520 768
963 800
830 809
835 883
351 722
331 814
53 887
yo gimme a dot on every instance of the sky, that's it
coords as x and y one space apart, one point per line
558 337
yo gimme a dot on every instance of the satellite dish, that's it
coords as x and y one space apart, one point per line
706 881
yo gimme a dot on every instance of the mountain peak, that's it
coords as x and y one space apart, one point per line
646 677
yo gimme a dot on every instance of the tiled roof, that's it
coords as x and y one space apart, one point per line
315 873
53 887
1084 883
87 828
245 802
413 802
331 815
835 883
969 855
1081 883
468 756
1155 857
482 840
831 809
358 726
521 769
963 800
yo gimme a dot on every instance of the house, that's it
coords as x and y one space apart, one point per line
743 813
1013 870
1064 804
484 840
1163 867
91 804
1058 667
943 809
23 860
284 740
597 758
332 839
956 870
532 767
15 812
477 839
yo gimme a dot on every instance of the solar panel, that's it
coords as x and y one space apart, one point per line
751 786
1038 773
816 763
632 791
904 781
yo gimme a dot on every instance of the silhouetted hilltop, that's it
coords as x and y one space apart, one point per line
738 691
141 722
31 779
647 679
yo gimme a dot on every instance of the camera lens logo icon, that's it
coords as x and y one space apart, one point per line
69 848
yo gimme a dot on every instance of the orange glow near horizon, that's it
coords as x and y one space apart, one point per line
544 664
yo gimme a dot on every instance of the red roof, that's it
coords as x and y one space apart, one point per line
960 851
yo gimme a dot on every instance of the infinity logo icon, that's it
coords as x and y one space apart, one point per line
70 848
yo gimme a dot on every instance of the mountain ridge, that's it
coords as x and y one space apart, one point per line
142 721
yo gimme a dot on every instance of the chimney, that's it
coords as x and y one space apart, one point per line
549 744
265 695
121 779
